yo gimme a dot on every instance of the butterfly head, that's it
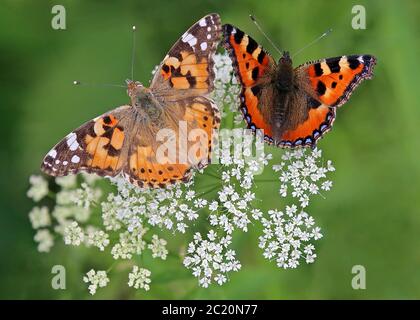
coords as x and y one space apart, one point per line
285 58
133 87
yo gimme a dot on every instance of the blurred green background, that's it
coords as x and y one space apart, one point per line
371 217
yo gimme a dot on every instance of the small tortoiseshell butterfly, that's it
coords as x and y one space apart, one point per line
124 140
294 106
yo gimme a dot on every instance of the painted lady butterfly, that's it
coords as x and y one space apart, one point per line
294 106
124 140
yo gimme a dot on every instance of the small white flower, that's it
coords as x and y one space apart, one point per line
139 278
66 182
38 189
326 185
98 238
86 195
66 197
73 234
96 279
213 206
61 213
158 247
45 240
90 178
39 217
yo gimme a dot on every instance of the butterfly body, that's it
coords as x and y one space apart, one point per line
284 79
128 140
294 107
148 109
287 90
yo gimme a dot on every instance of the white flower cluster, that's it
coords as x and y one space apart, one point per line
129 244
158 247
233 208
39 217
226 87
86 195
287 237
97 238
66 213
38 189
303 175
211 259
73 234
45 240
139 278
171 208
96 279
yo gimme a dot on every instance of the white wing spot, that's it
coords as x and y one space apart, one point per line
72 142
202 22
75 159
203 46
188 37
57 161
52 153
209 36
208 28
184 35
65 162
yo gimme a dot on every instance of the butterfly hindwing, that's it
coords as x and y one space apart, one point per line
149 167
97 146
188 66
319 121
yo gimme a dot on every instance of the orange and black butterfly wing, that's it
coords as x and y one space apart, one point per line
187 69
319 121
254 68
329 83
335 79
188 134
98 146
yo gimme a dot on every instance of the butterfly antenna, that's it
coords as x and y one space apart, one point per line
78 83
133 52
264 34
326 33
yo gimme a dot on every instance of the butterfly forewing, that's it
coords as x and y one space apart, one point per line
187 69
334 79
98 146
253 68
